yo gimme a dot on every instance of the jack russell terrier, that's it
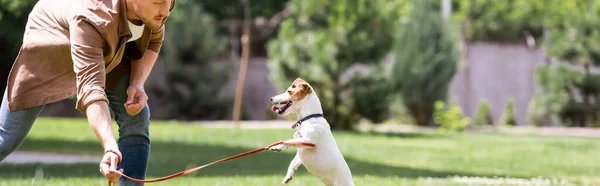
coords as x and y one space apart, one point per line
316 146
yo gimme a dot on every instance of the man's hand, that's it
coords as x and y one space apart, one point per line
108 165
136 99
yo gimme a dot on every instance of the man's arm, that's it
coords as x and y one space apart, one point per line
99 118
140 69
88 65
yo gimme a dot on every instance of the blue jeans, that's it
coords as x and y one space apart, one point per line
133 141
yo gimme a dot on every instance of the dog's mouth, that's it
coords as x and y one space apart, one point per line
283 106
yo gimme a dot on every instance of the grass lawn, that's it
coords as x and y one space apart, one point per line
375 159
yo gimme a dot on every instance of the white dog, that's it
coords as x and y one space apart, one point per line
316 146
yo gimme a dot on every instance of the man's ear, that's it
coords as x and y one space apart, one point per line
172 5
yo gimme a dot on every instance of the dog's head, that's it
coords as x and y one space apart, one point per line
287 103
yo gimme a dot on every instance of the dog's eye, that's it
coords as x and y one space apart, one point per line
293 86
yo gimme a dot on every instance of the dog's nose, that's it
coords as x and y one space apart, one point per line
271 99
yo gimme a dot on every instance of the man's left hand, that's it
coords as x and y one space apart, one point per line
136 99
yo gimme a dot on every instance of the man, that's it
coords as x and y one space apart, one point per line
100 50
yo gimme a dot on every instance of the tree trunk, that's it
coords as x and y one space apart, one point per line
239 93
421 115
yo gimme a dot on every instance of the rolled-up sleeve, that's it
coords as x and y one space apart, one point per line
88 62
156 39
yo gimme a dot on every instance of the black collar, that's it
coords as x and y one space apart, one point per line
306 118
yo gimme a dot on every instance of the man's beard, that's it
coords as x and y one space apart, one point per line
148 24
151 26
156 27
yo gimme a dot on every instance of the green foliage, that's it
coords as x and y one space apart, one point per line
556 82
570 93
372 100
484 114
234 9
537 114
512 20
426 58
501 21
13 17
508 116
193 81
450 117
322 40
574 40
585 111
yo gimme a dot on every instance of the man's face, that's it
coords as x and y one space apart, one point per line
153 13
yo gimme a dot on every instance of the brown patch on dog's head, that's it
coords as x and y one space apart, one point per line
299 89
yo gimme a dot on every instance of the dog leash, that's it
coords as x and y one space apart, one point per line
200 167
112 167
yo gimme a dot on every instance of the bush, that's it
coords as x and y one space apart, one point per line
372 101
426 59
193 81
537 114
484 114
450 118
508 118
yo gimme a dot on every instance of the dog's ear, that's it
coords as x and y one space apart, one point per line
305 88
302 90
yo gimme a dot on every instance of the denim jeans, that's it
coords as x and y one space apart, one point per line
133 141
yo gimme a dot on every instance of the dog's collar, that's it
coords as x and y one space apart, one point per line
306 118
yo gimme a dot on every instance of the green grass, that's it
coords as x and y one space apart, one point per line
375 159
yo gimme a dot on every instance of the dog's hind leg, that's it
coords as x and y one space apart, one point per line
296 162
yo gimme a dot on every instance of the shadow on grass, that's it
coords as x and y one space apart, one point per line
168 158
406 135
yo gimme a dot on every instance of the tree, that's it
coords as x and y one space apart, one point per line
573 43
265 18
511 21
194 83
426 58
556 83
323 39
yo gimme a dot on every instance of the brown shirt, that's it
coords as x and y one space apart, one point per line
69 47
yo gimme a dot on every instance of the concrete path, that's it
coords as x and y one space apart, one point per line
47 158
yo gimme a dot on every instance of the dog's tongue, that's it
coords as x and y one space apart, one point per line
274 108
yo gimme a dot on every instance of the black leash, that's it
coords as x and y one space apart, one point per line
306 118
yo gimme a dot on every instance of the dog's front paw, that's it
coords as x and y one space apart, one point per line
287 179
277 148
